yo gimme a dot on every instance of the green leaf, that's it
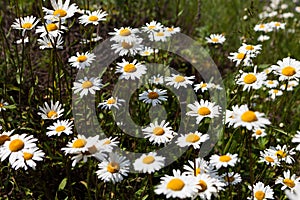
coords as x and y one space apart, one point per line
62 184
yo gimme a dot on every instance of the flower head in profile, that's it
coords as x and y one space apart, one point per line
192 139
177 80
3 104
124 34
29 158
53 111
152 27
47 42
92 17
216 39
149 163
125 48
111 102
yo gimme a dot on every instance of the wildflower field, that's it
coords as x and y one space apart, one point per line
178 99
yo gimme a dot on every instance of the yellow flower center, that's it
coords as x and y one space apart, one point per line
229 179
113 167
240 56
204 85
249 48
51 27
259 195
225 158
151 27
204 111
203 186
1 105
87 84
107 142
126 45
277 24
160 34
27 25
111 101
288 71
270 82
269 159
93 18
179 79
79 143
250 78
158 131
176 184
170 29
129 68
51 114
81 58
258 132
262 26
125 32
60 128
16 145
215 39
281 153
153 95
289 182
192 138
148 160
198 171
4 138
249 116
27 156
60 13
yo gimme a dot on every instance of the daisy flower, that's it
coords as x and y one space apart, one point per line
248 118
283 154
263 38
202 86
157 79
159 133
160 35
239 57
25 23
29 158
82 60
108 144
172 30
59 127
61 10
13 148
177 81
231 178
85 86
80 144
92 17
288 181
149 163
224 160
275 93
2 105
216 39
48 42
132 70
251 80
152 27
113 169
53 111
177 186
5 136
290 86
208 186
261 192
153 97
147 51
251 50
51 29
271 83
203 109
124 48
202 167
296 139
277 25
269 158
263 27
111 102
192 139
259 132
287 69
126 34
